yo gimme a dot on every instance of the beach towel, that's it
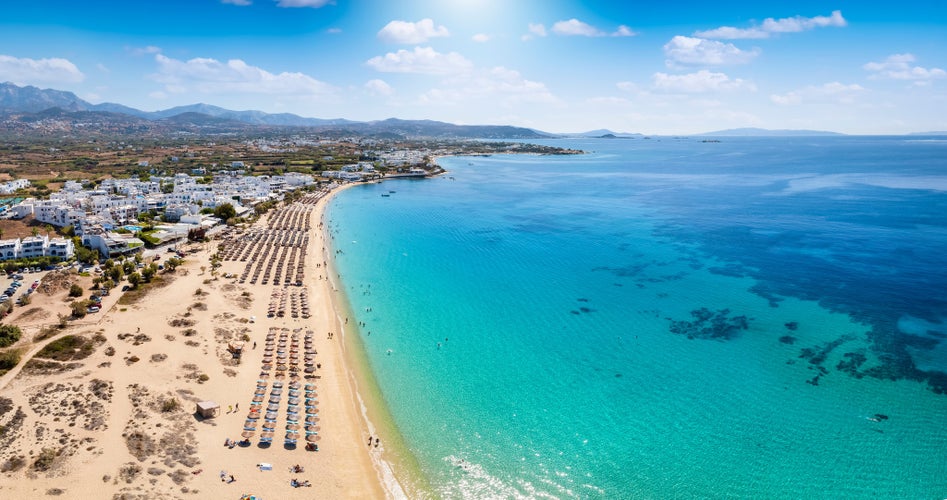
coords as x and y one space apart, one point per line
265 466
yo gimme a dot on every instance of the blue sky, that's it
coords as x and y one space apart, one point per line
860 67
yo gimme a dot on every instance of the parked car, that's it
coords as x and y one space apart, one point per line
94 309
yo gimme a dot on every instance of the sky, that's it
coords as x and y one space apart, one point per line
682 67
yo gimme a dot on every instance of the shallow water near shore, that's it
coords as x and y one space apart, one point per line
662 318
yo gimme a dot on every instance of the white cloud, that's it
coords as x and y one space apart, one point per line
481 38
701 81
771 26
158 95
627 86
141 51
424 60
685 50
535 30
799 23
103 68
378 87
624 31
829 92
411 33
237 2
209 76
498 86
900 67
304 3
24 71
574 27
334 31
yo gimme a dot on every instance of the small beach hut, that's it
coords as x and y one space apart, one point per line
208 409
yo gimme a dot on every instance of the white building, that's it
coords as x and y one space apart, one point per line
11 186
36 246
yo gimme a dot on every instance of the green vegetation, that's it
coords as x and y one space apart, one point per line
225 212
75 290
9 335
68 348
8 360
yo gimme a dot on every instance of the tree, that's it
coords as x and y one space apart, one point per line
34 231
79 308
116 273
172 263
75 290
225 211
128 266
134 279
147 273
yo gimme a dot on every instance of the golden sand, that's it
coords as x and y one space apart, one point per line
106 425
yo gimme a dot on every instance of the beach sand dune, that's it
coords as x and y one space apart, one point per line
112 415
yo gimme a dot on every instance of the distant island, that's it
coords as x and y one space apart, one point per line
762 132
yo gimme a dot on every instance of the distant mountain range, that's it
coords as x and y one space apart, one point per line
37 111
29 106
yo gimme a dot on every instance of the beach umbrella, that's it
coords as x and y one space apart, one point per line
274 399
293 401
271 415
292 427
269 426
310 369
276 391
272 407
248 434
277 385
312 438
311 410
310 386
258 398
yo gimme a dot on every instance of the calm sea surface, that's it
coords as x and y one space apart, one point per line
663 318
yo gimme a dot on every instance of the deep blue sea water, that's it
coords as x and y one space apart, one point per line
664 318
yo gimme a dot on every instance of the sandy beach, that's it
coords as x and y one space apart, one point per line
116 417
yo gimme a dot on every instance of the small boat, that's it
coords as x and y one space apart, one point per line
386 195
391 191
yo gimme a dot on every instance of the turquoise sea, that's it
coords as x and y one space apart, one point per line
663 318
